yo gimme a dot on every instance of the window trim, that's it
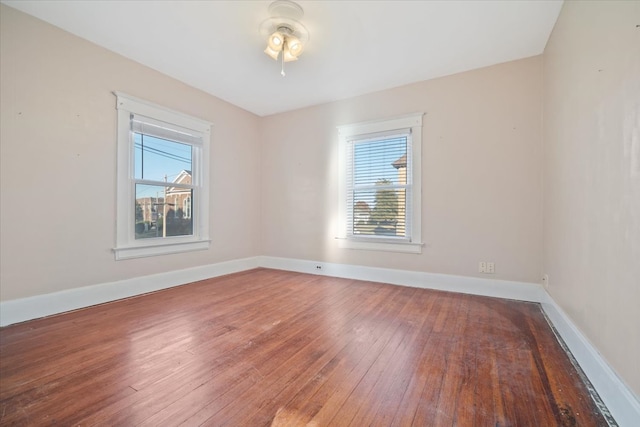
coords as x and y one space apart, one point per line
126 245
359 130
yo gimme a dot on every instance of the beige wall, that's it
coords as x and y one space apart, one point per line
58 147
592 175
482 165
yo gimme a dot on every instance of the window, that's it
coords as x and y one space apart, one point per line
162 203
186 207
380 204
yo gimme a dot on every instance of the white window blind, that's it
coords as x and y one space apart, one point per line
379 187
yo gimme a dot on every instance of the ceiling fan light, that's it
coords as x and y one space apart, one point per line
276 41
284 32
294 46
272 53
288 56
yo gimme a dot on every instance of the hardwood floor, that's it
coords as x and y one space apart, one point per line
268 347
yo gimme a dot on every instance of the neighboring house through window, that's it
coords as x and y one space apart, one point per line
162 204
380 203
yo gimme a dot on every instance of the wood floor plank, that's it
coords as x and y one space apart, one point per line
425 408
423 373
400 381
152 397
86 399
330 345
268 347
336 380
322 373
291 374
353 410
272 354
487 411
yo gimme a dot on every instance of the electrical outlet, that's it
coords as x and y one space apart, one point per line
486 267
318 267
545 281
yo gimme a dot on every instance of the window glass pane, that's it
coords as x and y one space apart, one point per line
384 159
380 212
379 206
159 159
163 211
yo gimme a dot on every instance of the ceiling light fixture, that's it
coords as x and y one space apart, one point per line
285 33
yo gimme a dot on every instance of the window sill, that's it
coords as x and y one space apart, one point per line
164 248
401 247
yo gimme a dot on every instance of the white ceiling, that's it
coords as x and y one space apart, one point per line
355 47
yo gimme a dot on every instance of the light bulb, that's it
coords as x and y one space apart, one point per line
276 40
294 45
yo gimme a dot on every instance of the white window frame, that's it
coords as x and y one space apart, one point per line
413 241
127 246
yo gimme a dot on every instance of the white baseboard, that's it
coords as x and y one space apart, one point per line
20 310
468 285
622 403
